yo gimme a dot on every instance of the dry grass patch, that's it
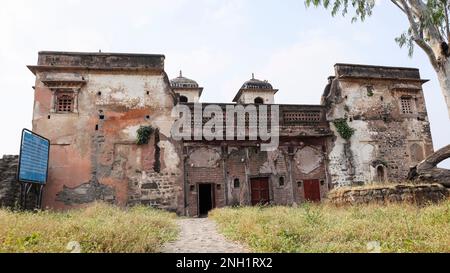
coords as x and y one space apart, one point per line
383 185
98 228
326 228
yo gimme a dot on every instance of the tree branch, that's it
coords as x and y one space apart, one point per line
418 35
398 5
447 25
420 10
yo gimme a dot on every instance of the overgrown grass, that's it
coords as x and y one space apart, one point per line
98 228
326 228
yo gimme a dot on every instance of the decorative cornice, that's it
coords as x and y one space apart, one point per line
44 68
64 84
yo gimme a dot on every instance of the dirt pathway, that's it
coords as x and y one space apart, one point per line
201 236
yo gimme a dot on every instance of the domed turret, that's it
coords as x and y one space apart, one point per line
256 84
182 82
187 89
255 91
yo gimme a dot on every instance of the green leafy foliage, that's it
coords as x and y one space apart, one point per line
362 8
370 91
407 40
143 134
433 15
344 130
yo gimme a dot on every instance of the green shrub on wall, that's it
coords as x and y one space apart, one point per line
344 130
143 134
370 91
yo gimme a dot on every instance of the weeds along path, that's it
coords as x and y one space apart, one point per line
201 236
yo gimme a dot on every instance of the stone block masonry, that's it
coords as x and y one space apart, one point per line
9 187
417 194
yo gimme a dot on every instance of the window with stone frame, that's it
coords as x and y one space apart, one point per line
64 103
65 94
407 106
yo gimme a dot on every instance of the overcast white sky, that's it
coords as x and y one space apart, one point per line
219 43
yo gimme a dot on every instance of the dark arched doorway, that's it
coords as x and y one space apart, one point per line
381 174
259 100
183 99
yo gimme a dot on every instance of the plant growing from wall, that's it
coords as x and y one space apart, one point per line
143 134
370 91
344 130
378 162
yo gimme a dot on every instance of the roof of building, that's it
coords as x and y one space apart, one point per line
376 72
98 60
183 82
256 84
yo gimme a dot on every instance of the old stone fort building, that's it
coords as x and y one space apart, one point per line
371 125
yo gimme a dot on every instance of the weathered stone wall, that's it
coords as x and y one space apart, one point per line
100 61
386 141
9 187
221 165
94 155
204 165
417 194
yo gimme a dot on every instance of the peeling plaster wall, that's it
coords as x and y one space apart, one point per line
204 166
93 153
223 164
312 168
384 137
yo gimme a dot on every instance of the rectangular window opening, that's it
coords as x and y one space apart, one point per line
406 105
64 104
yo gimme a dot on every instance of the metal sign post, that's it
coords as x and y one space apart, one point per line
33 166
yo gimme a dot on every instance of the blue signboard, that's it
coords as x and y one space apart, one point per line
34 154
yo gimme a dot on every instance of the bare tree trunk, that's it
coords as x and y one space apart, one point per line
430 39
444 80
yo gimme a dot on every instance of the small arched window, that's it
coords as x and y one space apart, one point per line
259 100
183 99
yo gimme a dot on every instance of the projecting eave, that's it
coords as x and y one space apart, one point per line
199 89
347 77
